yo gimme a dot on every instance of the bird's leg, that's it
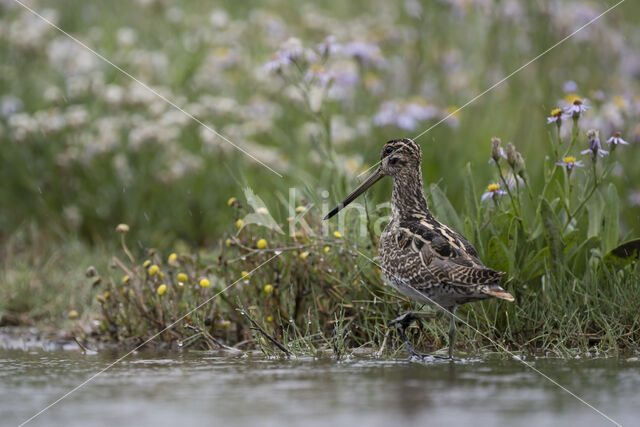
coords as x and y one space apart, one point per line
403 322
452 330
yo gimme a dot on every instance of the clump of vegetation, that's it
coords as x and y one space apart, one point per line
312 290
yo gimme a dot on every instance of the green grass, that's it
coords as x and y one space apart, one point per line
84 151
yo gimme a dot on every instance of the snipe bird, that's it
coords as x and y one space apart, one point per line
420 257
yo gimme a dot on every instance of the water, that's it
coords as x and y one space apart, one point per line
183 388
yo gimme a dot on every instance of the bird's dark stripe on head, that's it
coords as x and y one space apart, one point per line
405 142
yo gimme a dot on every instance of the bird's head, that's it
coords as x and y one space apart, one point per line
398 156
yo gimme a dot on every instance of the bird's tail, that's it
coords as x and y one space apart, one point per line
497 292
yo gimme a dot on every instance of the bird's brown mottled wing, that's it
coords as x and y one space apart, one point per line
441 255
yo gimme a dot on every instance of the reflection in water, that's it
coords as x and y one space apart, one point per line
218 389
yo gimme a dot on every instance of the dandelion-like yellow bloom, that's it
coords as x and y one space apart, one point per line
227 242
125 279
173 257
100 299
262 243
73 314
327 249
153 270
182 277
161 289
268 288
205 283
231 201
239 223
304 255
556 112
569 159
107 295
337 234
146 264
269 319
245 275
493 188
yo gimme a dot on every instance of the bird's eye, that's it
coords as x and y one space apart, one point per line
388 150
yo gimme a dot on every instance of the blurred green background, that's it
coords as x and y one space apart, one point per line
84 147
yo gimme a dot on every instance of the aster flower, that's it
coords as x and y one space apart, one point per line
319 75
576 108
595 149
367 53
493 191
329 46
616 139
570 162
557 116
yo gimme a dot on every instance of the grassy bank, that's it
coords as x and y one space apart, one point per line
313 92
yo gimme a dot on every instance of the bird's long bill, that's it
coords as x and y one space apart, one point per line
372 179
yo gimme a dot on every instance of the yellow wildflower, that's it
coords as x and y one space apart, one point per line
73 314
161 289
228 242
225 323
268 288
125 279
205 283
337 234
107 295
269 318
239 223
153 270
262 243
245 275
304 255
493 187
146 264
327 248
173 257
182 277
300 209
231 201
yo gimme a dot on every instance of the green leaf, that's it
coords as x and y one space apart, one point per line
595 206
470 198
443 208
534 264
611 214
552 236
497 254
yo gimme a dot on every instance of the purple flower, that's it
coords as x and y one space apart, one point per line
595 149
557 116
493 191
616 139
570 162
367 53
329 46
576 108
405 116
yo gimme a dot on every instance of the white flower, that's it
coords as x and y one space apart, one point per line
493 191
616 139
576 108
